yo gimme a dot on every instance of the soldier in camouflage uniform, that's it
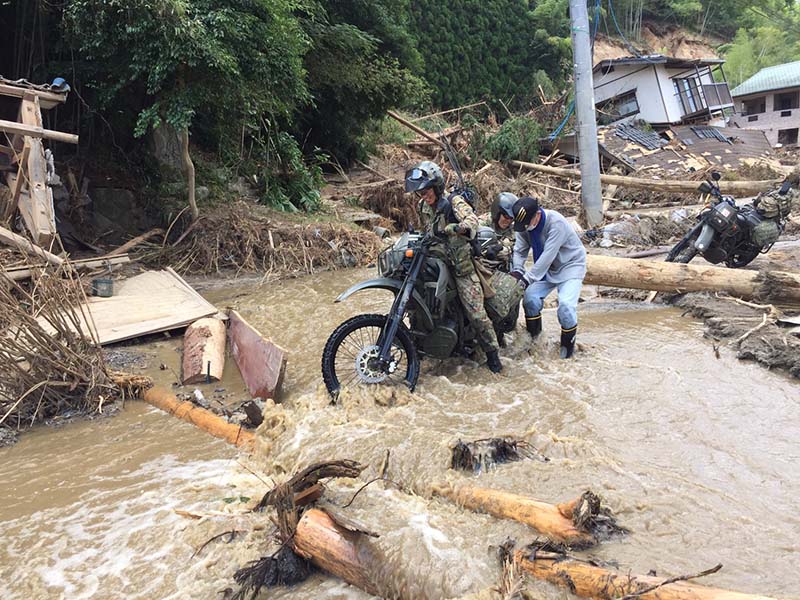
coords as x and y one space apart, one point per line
500 219
455 219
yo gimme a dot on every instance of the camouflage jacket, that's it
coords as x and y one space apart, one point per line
504 236
455 249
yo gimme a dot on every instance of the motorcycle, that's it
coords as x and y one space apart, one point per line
728 233
426 319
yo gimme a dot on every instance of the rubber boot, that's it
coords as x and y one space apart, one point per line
493 361
568 341
534 325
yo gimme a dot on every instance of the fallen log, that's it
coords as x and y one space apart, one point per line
204 351
199 417
548 519
775 287
735 188
11 238
332 548
586 580
132 243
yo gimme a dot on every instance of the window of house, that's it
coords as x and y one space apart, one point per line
788 137
688 92
617 108
754 106
787 101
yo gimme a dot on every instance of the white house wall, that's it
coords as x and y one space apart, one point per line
655 91
771 121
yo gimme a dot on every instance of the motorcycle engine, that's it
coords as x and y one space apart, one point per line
441 342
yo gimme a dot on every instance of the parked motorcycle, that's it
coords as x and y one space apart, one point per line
733 234
426 319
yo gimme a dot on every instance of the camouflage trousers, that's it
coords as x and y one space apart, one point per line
471 294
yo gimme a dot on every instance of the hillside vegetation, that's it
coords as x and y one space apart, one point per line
277 89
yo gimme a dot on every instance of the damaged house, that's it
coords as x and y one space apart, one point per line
770 102
667 116
661 90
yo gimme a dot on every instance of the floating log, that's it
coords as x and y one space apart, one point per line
332 548
199 417
735 188
261 362
588 581
547 519
773 286
204 351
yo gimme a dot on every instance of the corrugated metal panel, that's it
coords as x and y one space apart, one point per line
648 139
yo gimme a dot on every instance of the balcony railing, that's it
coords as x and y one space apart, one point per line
718 95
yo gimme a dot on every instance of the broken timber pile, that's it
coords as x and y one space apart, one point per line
204 351
774 286
734 188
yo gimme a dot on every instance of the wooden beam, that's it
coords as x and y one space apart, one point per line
12 239
15 183
20 273
36 207
47 99
17 128
737 188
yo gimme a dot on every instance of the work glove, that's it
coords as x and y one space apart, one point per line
454 229
520 277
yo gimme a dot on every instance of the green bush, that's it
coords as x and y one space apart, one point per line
517 139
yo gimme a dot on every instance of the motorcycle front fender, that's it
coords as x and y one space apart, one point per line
394 286
703 241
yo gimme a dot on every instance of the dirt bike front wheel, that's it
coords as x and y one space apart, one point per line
684 251
351 354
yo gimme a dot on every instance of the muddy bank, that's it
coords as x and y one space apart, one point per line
727 321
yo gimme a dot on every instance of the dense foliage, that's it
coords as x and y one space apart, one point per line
476 49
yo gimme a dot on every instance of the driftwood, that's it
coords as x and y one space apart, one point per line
204 351
590 581
550 520
772 286
199 417
736 188
132 243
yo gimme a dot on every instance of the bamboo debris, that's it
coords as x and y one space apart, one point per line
773 286
200 417
47 366
737 188
132 243
20 273
590 581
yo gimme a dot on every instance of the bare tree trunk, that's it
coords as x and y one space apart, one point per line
188 167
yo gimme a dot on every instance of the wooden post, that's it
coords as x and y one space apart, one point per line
735 188
774 286
586 580
204 351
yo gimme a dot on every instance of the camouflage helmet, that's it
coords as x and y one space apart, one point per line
503 205
486 237
426 174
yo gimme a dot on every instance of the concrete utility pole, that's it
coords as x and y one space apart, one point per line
586 127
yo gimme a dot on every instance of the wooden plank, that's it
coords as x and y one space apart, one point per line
15 182
148 303
20 273
203 351
261 362
37 207
16 128
47 99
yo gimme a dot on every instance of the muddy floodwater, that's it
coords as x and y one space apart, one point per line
696 453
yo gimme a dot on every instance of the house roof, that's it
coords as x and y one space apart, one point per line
659 59
770 78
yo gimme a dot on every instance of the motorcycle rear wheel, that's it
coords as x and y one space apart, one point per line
347 354
684 251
